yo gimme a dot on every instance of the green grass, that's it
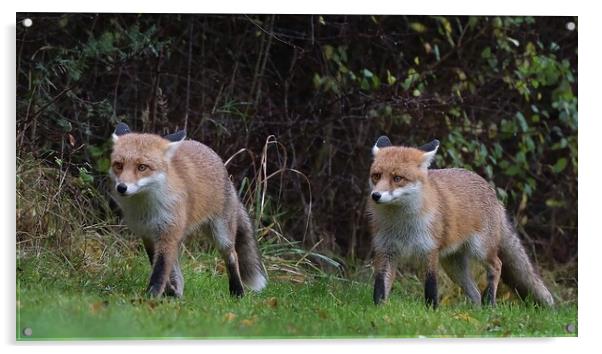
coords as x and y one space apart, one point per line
60 298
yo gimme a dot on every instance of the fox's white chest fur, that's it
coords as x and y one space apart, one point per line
148 214
405 234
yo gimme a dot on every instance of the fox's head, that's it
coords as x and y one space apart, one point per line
398 173
139 162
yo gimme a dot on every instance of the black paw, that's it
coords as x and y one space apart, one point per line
488 296
171 290
378 300
430 291
379 289
154 291
432 303
237 291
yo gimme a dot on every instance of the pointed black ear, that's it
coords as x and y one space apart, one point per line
428 147
177 136
429 150
381 142
120 129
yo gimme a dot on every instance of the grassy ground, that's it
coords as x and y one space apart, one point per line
58 301
80 276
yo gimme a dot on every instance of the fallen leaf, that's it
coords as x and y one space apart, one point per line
152 304
220 268
322 314
98 306
248 322
299 279
272 302
229 316
464 316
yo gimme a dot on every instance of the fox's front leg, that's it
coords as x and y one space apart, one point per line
164 260
384 275
175 283
430 281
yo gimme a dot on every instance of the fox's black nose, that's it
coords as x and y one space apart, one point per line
376 196
121 188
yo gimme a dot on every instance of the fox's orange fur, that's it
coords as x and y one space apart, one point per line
446 216
168 188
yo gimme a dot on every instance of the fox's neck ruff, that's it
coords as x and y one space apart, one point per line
404 229
395 215
150 211
410 204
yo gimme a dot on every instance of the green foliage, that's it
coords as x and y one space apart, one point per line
499 92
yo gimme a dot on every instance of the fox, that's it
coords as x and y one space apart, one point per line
449 217
168 188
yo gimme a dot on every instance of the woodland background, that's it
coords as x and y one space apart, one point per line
294 103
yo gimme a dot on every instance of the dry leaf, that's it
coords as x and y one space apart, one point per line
272 302
152 304
322 314
464 316
249 322
299 279
71 140
98 306
229 316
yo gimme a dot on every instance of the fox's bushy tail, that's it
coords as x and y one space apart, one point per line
252 271
517 270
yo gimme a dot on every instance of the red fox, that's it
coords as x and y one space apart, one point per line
168 187
448 216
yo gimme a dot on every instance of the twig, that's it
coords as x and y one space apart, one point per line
116 91
188 75
272 34
153 103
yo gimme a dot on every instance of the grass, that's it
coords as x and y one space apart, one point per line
58 301
80 277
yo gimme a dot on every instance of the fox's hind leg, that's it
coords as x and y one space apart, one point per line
175 283
224 235
457 268
494 271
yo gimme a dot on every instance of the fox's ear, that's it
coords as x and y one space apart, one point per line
171 149
120 130
381 142
177 136
176 139
430 150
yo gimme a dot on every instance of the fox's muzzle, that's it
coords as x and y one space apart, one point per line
122 188
376 196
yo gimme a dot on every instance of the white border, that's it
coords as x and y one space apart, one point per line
589 159
433 7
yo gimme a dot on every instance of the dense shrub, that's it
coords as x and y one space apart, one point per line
499 92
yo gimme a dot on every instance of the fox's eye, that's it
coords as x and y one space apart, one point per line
142 167
118 166
397 179
376 176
